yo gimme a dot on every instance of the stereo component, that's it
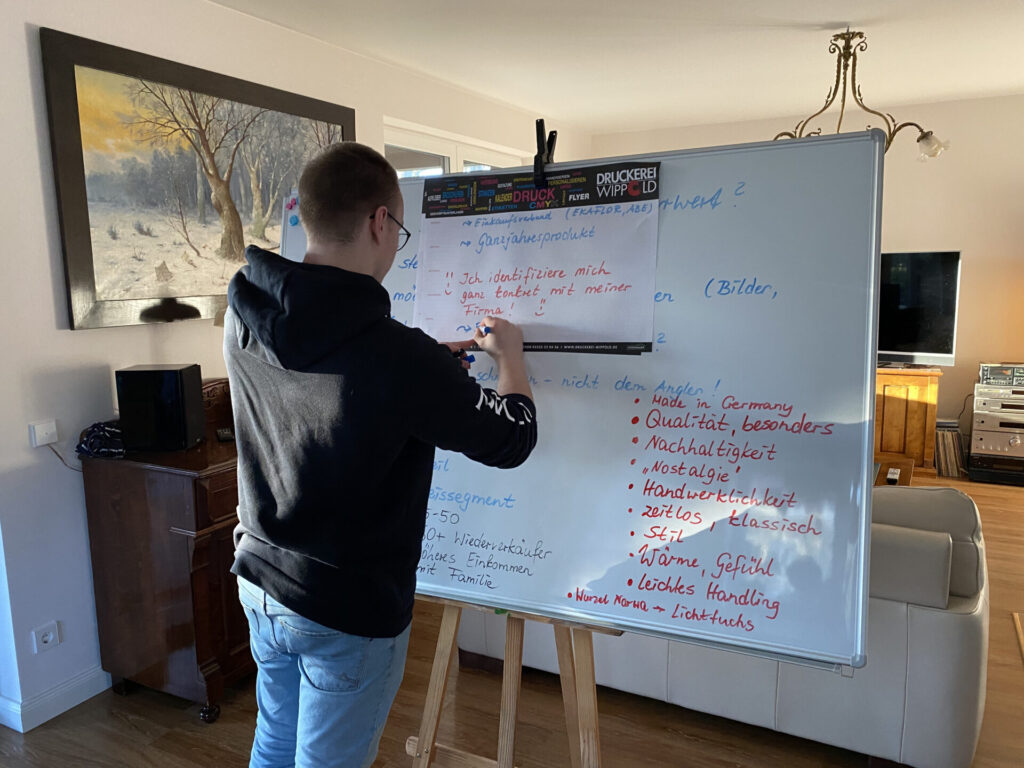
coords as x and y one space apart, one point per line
997 434
1002 374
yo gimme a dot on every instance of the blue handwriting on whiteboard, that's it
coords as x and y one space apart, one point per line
695 203
679 389
491 375
699 201
580 382
506 220
621 209
625 385
536 239
740 287
463 499
404 295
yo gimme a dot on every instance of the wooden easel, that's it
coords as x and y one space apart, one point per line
575 646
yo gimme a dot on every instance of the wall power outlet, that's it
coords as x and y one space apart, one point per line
46 637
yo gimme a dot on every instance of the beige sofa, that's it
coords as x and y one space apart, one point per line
919 700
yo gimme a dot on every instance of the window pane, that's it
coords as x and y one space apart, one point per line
470 166
412 162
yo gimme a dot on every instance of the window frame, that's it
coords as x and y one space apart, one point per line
459 150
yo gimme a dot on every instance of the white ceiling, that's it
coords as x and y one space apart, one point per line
639 64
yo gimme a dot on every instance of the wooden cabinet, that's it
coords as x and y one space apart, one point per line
160 533
905 407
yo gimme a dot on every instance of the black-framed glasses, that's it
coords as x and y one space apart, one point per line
403 233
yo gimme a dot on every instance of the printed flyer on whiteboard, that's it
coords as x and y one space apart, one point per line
573 264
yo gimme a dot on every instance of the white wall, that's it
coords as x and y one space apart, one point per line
49 371
971 199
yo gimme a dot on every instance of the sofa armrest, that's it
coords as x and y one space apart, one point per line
910 565
941 509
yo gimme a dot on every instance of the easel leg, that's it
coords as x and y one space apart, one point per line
567 675
586 697
511 684
444 654
579 690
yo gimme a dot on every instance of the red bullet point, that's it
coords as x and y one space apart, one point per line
636 419
631 486
629 582
632 533
569 594
632 462
636 440
637 400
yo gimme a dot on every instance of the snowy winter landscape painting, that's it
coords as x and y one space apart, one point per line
166 174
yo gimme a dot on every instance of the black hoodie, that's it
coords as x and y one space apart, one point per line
337 412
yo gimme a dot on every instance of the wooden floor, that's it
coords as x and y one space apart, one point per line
152 729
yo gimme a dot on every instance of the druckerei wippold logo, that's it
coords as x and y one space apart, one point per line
627 182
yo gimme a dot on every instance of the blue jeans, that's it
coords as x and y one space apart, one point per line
323 695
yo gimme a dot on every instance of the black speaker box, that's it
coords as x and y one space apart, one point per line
161 407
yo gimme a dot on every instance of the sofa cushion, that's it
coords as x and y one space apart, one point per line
910 565
945 510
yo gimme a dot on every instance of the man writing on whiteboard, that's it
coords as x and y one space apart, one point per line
338 409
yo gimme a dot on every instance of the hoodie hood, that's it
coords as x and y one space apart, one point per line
299 313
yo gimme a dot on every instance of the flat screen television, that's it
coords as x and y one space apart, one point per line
917 306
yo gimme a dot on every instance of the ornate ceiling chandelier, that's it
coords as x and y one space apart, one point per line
846 45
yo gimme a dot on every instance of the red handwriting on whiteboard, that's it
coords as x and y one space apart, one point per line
705 472
729 402
752 597
783 525
721 448
801 426
712 617
625 602
712 422
733 496
673 512
674 586
729 565
664 558
669 402
583 596
664 533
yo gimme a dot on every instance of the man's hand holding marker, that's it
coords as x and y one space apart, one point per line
503 341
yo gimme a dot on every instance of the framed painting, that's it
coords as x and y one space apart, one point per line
164 173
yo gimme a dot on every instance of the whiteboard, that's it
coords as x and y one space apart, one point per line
717 489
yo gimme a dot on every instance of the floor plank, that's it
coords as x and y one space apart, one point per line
154 730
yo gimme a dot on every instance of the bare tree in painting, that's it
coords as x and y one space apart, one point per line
200 193
271 156
324 134
177 216
215 128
